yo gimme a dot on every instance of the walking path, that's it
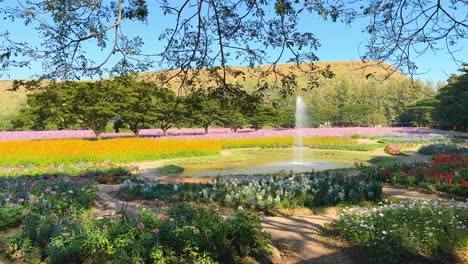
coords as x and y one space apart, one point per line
296 237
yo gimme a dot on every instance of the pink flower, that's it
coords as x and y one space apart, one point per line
53 192
261 213
32 201
64 193
104 226
47 190
119 215
140 225
21 200
252 207
156 230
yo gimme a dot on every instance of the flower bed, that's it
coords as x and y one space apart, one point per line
26 154
263 192
102 172
446 173
222 133
415 138
53 196
184 234
397 232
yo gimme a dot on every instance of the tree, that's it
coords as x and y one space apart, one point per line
452 111
139 104
355 114
168 109
262 115
204 110
92 103
233 119
420 113
213 33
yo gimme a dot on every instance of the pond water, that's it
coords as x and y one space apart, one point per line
259 162
277 166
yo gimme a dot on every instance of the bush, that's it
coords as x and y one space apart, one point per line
11 215
435 149
392 233
171 169
393 149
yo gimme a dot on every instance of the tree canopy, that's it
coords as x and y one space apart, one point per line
211 34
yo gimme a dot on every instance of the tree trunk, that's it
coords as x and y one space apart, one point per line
135 130
206 129
164 130
98 135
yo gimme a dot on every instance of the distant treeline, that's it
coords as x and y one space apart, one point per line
132 104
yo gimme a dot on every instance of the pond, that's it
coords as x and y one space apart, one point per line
251 162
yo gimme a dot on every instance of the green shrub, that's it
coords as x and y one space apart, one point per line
11 215
171 169
435 149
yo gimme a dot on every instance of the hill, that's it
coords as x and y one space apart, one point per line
10 102
352 70
355 71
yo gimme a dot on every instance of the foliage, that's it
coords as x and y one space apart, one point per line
420 113
138 108
170 169
57 197
452 111
204 109
435 149
263 192
183 234
168 110
262 115
392 233
446 173
356 114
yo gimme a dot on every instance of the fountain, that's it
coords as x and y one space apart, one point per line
272 162
301 123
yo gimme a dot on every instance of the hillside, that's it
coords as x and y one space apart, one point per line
352 70
11 102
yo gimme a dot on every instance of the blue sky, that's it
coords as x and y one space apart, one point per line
338 42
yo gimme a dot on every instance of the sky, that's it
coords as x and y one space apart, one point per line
338 42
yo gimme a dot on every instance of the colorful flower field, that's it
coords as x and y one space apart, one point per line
446 172
74 151
217 133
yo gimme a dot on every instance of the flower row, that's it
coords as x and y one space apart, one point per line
263 192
